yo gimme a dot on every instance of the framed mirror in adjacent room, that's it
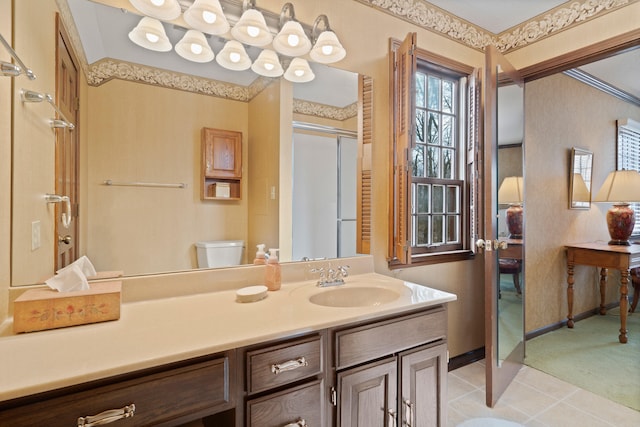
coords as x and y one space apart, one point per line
580 178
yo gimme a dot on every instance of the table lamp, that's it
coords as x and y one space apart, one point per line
510 193
620 188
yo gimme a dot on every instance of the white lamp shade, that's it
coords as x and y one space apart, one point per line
292 40
327 48
194 47
233 56
252 29
165 10
267 64
149 33
511 190
299 71
620 186
206 16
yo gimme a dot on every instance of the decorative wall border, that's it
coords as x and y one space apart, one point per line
325 111
432 18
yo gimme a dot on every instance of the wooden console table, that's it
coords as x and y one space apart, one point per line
622 258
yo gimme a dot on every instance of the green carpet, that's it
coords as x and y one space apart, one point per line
590 357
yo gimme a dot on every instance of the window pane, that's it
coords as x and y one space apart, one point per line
437 203
420 126
420 90
433 162
453 230
422 230
447 130
434 93
437 230
447 97
418 161
447 163
452 199
422 202
433 128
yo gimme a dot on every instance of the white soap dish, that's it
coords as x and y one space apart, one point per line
251 293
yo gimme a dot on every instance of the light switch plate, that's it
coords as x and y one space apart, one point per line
35 235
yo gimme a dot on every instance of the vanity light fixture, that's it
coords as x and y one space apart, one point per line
620 188
291 40
299 71
206 16
327 48
150 34
165 10
267 64
233 56
252 28
194 47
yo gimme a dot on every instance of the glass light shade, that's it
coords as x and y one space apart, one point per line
510 191
327 48
620 186
206 16
194 47
149 33
292 40
233 56
165 10
252 29
299 71
267 64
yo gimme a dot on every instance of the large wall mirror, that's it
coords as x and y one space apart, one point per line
134 128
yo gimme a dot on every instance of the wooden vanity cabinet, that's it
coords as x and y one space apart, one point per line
221 164
167 396
393 372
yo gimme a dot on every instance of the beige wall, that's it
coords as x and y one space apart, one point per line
562 113
5 164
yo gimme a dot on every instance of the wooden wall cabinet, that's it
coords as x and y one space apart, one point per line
221 164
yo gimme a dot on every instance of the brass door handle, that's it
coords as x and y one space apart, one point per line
66 239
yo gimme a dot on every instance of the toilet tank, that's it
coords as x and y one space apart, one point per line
219 253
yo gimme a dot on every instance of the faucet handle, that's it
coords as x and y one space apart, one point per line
342 270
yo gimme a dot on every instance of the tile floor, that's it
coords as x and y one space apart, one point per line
535 399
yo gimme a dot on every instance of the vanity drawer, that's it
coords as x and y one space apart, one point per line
168 397
301 405
284 363
371 341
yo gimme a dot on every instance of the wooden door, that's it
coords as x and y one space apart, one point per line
423 391
67 140
368 395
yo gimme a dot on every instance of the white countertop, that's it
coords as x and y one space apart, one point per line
159 331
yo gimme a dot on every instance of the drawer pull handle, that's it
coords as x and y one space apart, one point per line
107 417
290 365
408 413
300 423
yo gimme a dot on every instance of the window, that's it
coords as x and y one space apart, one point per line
628 149
433 159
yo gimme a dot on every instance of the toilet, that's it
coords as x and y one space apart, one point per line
219 253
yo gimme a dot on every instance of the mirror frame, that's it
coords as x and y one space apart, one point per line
580 175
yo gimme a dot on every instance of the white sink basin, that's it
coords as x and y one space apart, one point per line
361 296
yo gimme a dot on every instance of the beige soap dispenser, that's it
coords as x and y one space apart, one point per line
272 275
260 258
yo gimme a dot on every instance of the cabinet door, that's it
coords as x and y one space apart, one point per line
368 395
221 153
423 386
298 406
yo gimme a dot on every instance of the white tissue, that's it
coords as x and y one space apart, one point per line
70 278
85 266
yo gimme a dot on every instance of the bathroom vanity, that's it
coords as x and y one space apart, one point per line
302 356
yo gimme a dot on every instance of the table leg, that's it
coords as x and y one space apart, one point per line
624 281
603 289
570 294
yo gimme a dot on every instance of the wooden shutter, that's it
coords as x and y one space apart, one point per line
473 159
403 129
365 117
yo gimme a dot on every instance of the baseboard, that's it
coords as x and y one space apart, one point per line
466 358
554 326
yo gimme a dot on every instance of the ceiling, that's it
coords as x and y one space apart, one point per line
103 31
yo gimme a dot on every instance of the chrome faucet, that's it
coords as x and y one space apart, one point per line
330 276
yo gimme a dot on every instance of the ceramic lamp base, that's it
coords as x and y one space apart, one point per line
620 222
514 221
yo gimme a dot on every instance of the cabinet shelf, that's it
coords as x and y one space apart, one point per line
221 164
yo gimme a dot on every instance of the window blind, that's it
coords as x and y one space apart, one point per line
628 148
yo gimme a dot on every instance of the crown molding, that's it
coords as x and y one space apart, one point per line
432 18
